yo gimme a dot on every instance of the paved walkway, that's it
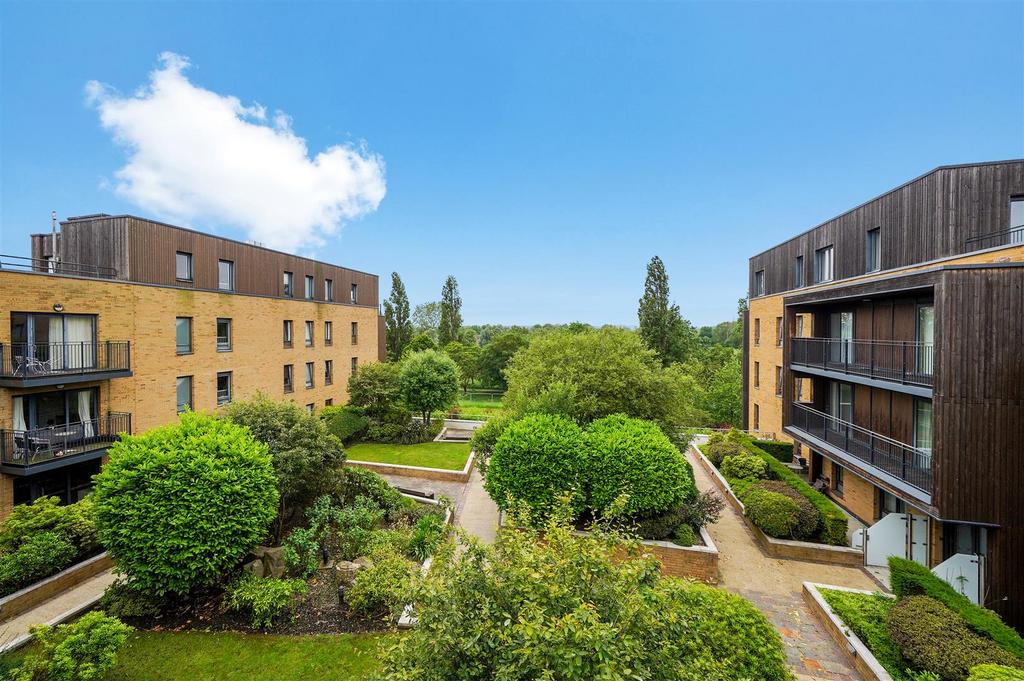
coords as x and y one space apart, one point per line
775 587
478 514
83 595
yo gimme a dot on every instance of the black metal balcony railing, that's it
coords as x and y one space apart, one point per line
1007 237
35 360
905 362
29 447
907 463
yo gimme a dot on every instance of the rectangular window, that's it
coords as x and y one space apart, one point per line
223 387
757 374
183 266
309 334
328 333
757 418
800 326
355 364
759 283
757 331
778 381
184 390
355 293
223 335
1016 235
926 340
310 407
837 478
328 372
329 290
288 371
778 332
309 287
329 402
823 264
309 374
841 335
841 406
183 335
289 285
923 425
287 333
798 271
355 333
225 275
873 257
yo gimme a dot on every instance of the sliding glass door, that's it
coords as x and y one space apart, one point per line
57 409
53 342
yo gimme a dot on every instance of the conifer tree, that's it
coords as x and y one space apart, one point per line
451 313
662 327
397 326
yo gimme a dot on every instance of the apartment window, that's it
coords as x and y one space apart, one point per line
183 335
840 406
837 479
309 288
355 293
309 374
778 332
759 283
329 290
1016 220
800 392
355 332
757 374
873 257
328 372
288 371
757 418
310 407
309 334
225 275
328 333
799 326
778 381
329 402
223 335
355 364
925 339
287 333
823 264
798 271
923 425
757 331
289 284
223 387
183 266
184 391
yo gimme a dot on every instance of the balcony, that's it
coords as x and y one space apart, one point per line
903 466
906 363
27 365
1008 237
23 452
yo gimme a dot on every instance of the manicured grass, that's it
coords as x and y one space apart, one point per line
485 408
867 615
450 455
252 657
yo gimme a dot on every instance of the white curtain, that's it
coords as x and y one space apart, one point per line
85 412
80 342
19 414
56 340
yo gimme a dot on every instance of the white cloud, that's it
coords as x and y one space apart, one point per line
195 155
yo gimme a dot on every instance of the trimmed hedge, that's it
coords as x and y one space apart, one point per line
909 578
783 451
867 615
808 519
717 452
776 514
995 672
747 466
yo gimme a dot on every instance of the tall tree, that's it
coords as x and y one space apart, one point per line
662 328
397 325
426 318
451 313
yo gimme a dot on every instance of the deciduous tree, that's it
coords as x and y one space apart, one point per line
451 313
495 355
430 382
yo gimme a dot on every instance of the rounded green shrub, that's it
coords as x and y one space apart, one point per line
717 452
934 638
634 457
536 460
84 650
179 506
746 466
347 423
809 518
995 672
383 587
685 536
775 514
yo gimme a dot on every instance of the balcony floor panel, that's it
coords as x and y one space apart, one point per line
853 377
70 377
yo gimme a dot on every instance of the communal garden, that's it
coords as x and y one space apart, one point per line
448 455
775 498
928 631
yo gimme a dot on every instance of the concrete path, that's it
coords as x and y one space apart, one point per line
65 604
774 586
478 514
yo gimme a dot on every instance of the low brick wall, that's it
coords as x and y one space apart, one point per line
851 645
695 562
34 594
781 548
418 471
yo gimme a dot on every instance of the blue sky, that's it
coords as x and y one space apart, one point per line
541 153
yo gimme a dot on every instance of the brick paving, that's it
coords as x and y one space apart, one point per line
775 585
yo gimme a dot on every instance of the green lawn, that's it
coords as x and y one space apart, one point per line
252 657
481 407
450 455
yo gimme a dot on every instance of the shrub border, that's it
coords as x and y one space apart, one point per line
25 599
781 548
406 620
445 474
853 647
773 449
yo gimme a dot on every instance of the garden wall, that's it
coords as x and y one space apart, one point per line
851 645
418 471
695 562
43 590
781 548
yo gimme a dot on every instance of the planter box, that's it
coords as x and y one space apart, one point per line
445 474
695 562
43 590
851 645
782 548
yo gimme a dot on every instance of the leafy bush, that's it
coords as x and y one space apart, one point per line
84 650
934 638
121 600
719 451
375 387
265 598
685 536
355 526
486 436
38 557
783 451
427 535
180 505
747 466
867 615
362 482
346 423
382 588
73 522
909 578
808 520
303 545
775 514
633 457
536 460
995 672
704 509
